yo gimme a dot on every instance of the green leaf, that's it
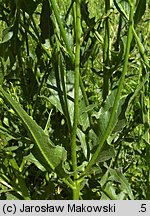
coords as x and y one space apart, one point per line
103 116
118 53
45 152
46 24
83 114
104 113
122 7
54 100
1 77
11 148
119 177
145 137
28 6
106 154
110 191
94 8
30 158
7 34
82 139
140 10
21 182
11 196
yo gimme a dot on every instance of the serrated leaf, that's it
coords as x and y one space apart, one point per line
45 152
119 177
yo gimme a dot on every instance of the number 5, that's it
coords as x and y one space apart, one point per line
143 208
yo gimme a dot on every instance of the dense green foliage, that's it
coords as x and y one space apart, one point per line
74 99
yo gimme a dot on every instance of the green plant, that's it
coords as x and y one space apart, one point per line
74 100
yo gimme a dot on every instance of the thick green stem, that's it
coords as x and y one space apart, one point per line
76 99
110 124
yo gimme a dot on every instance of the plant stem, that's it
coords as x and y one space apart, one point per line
76 98
141 49
110 124
60 83
26 34
63 32
74 21
69 182
69 50
106 52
